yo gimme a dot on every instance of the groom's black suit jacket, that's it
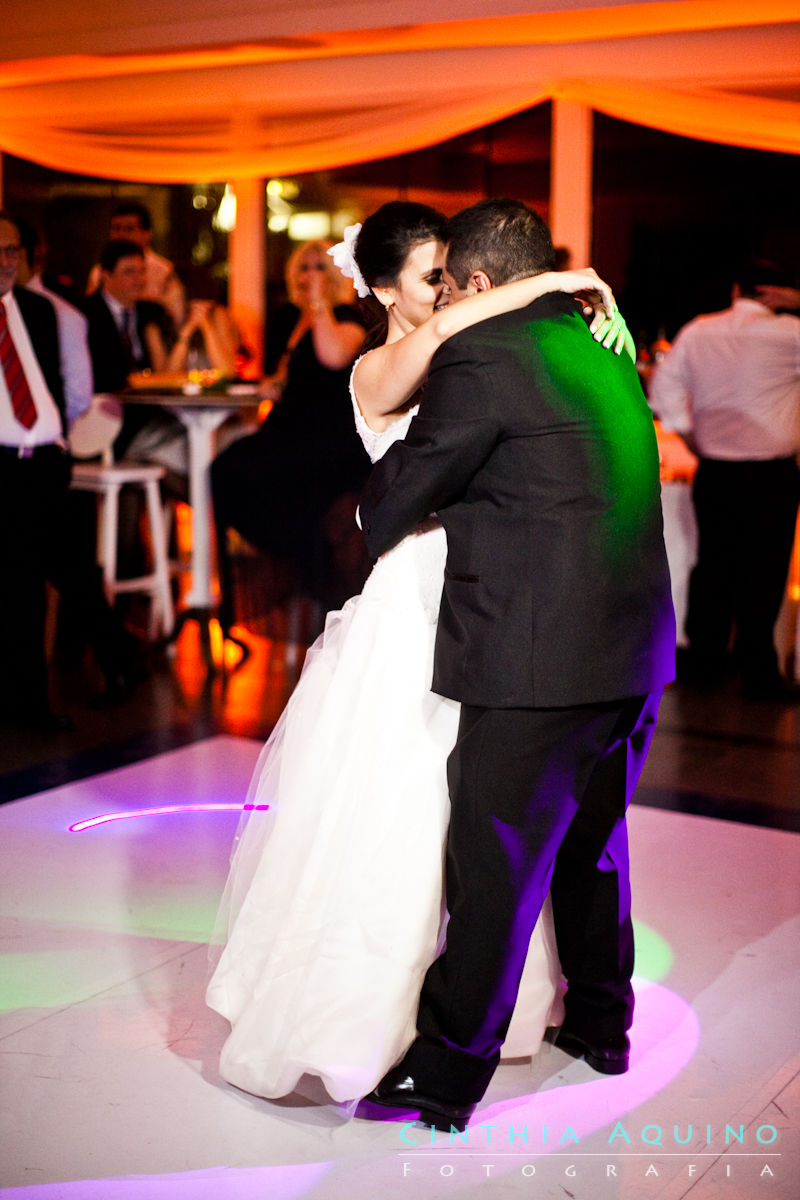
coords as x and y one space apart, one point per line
536 448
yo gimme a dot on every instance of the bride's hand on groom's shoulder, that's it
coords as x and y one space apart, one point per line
611 331
587 284
607 324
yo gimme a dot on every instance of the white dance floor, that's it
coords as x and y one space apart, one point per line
109 1084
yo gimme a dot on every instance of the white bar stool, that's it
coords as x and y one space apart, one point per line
92 435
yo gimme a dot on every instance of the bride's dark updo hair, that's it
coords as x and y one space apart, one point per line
384 243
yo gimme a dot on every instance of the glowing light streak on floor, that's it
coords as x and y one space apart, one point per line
164 810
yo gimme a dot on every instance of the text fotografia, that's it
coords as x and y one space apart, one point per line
573 1170
620 1138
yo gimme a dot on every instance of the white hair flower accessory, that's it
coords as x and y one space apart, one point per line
343 254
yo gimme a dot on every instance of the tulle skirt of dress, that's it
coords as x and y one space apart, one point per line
333 906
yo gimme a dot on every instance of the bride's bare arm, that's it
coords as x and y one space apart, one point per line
389 375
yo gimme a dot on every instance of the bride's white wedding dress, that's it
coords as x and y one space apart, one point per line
333 904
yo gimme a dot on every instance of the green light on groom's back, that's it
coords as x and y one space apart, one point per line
599 398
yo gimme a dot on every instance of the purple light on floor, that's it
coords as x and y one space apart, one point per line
665 1035
290 1182
162 811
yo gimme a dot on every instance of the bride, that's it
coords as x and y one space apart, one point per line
333 908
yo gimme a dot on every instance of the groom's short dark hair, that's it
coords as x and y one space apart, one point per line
504 238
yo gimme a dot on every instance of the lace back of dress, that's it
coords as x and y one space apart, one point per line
376 444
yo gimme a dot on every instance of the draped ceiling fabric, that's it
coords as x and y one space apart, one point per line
157 90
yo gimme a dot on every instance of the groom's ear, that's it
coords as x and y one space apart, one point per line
479 281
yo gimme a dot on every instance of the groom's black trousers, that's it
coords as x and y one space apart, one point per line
538 802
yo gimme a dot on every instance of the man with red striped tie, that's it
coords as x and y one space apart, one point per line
37 542
34 476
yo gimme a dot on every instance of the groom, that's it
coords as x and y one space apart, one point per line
537 450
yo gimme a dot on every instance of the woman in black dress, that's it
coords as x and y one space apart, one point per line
276 486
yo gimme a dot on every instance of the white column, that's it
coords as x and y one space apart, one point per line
246 291
571 180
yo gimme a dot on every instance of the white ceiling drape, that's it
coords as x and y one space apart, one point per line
159 91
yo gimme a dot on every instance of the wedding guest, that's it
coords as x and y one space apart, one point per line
275 486
126 336
36 538
207 340
730 387
131 222
73 328
126 332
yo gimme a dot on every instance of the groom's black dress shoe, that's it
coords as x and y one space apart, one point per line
609 1056
398 1089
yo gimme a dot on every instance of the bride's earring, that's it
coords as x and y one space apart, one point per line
384 297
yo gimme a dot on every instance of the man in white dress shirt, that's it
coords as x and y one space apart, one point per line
730 386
